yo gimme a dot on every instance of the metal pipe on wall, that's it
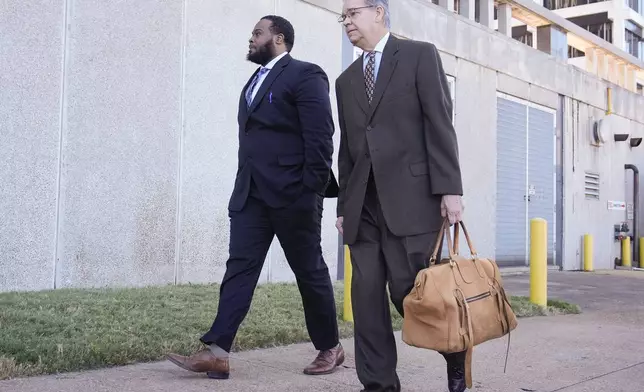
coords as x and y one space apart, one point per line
636 198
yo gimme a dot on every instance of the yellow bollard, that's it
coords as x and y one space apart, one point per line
588 252
626 252
539 261
641 260
348 309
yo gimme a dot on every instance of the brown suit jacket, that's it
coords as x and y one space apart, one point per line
406 135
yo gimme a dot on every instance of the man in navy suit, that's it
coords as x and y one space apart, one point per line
284 172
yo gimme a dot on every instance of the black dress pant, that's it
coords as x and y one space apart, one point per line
298 229
380 259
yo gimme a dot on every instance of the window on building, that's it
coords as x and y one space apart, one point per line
574 52
452 87
591 185
598 24
457 5
559 4
634 43
477 11
523 35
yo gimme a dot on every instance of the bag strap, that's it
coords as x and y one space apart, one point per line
470 340
505 317
441 234
503 299
452 247
507 324
470 245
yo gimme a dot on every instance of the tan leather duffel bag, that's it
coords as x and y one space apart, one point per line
457 304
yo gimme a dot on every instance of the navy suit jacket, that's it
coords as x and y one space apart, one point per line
286 136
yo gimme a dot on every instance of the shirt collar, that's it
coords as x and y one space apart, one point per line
380 47
272 63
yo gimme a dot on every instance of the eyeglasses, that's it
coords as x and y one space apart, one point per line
351 13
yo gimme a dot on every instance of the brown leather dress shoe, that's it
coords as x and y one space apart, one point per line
326 361
203 362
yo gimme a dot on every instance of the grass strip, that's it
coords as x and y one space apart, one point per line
69 330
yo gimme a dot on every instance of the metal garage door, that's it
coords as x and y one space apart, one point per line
511 221
541 171
525 177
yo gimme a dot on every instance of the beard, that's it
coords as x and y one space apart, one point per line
263 54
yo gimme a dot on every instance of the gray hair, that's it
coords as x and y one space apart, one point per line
385 5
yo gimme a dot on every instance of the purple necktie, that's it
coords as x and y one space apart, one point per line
249 91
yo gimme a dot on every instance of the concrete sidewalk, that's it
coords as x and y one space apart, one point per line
599 350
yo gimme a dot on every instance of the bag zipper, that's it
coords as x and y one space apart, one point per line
478 297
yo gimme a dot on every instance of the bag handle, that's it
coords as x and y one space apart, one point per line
467 239
452 247
439 240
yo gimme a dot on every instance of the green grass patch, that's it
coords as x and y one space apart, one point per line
524 308
69 330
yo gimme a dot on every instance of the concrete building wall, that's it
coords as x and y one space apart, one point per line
31 42
122 138
585 216
121 128
215 70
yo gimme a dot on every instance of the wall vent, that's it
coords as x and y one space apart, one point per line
598 133
591 186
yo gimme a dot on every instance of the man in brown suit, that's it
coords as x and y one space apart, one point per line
399 175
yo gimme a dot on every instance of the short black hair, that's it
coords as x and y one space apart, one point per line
282 26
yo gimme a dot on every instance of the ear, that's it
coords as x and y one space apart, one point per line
279 39
380 14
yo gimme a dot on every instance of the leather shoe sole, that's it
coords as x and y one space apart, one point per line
218 375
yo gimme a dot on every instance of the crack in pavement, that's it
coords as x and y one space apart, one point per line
597 377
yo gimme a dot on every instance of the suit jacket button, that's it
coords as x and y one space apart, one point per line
369 128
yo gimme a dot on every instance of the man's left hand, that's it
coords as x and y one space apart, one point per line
452 208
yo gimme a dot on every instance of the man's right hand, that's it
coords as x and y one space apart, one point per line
338 224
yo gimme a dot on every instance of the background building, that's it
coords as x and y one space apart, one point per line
615 21
119 134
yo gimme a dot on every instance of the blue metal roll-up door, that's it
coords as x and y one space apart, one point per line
511 179
541 171
525 177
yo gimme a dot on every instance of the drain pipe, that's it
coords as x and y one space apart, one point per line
636 202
